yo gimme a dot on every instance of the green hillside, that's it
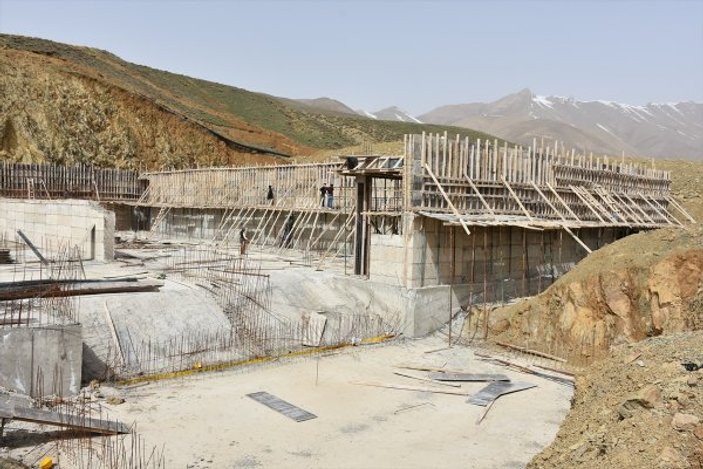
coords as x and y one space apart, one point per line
236 115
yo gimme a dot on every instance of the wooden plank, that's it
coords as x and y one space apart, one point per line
32 247
449 202
655 208
56 290
517 199
566 228
531 352
586 203
562 201
410 388
468 377
480 196
420 378
678 207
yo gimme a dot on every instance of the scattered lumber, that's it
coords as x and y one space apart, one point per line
428 368
410 388
62 288
469 377
568 381
530 351
429 380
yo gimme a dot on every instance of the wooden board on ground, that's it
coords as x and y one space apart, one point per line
411 388
442 376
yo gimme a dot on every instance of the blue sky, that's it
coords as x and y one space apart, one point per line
417 55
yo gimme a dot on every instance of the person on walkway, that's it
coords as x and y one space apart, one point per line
270 197
243 242
288 231
330 196
323 195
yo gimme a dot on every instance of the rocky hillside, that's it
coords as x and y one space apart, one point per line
69 104
644 285
669 130
639 408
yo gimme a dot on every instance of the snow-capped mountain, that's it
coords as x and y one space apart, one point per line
666 130
392 113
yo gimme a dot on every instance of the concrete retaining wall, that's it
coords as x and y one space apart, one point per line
499 253
40 361
50 224
267 229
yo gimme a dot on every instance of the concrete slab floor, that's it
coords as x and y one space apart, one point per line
208 421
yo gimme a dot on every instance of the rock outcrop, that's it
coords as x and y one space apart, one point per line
644 285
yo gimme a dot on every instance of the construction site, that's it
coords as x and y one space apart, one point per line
372 301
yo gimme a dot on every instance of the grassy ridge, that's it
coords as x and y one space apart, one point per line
253 118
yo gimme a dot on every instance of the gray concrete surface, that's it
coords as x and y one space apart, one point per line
51 224
42 360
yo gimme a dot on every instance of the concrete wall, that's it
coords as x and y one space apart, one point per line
50 224
386 261
40 361
498 253
493 264
262 225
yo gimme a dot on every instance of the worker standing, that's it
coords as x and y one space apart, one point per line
330 196
243 242
270 197
323 195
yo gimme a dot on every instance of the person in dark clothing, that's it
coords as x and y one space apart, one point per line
270 197
330 196
288 231
139 218
323 195
243 242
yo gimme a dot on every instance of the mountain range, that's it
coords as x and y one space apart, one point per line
660 130
71 104
669 130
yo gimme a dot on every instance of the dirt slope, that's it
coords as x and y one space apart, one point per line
641 286
639 408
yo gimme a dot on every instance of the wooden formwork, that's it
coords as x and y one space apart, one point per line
48 181
294 186
484 183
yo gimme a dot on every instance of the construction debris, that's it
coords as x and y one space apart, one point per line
566 380
496 389
10 410
411 388
49 288
281 406
420 378
470 377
